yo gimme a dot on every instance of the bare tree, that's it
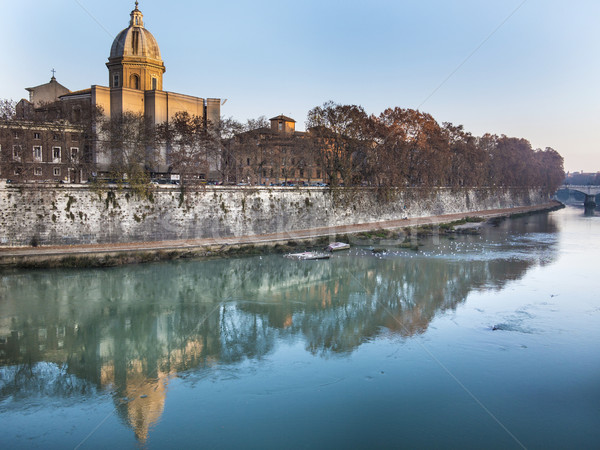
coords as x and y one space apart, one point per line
224 148
128 140
188 144
7 108
255 124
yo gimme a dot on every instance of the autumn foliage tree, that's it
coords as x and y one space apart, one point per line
342 135
405 147
412 148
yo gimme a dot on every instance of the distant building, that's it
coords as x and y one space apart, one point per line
583 178
275 155
45 94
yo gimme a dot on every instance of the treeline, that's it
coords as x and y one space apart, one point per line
343 146
405 147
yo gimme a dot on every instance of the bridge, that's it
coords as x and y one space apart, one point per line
590 192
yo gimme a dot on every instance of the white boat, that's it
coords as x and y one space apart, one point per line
308 255
335 246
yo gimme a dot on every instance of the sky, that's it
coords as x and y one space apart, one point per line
523 68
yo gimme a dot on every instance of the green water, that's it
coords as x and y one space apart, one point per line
488 341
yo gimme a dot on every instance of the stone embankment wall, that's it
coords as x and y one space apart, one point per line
32 215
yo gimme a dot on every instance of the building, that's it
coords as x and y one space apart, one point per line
275 155
135 77
43 151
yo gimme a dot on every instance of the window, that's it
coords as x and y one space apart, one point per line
280 126
135 81
17 152
15 134
74 154
154 83
55 137
135 39
17 171
55 154
38 171
37 152
56 171
36 136
247 161
115 80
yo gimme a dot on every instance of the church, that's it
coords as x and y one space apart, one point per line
135 84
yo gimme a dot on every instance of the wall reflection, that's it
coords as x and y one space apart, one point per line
128 331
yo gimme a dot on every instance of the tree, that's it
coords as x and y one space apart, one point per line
7 108
128 143
224 148
469 162
188 146
414 150
511 162
342 136
552 174
255 124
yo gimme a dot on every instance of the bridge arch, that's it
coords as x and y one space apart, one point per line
591 193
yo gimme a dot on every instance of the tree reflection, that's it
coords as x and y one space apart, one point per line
67 334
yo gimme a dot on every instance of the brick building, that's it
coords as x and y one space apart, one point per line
36 151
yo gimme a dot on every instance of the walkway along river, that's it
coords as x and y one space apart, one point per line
135 252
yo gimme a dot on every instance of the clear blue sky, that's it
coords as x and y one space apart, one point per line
537 76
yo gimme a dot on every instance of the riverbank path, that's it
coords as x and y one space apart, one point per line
188 244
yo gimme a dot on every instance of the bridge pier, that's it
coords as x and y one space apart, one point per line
590 201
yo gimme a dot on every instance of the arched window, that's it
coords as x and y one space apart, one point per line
135 81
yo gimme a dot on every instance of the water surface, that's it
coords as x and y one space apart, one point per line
476 341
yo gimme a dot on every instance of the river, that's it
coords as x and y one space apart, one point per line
474 341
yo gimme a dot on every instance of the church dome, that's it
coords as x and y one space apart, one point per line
135 40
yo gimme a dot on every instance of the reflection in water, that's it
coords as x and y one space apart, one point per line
73 334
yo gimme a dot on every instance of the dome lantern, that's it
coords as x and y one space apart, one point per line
137 18
135 60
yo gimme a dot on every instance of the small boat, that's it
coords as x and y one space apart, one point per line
335 246
308 255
